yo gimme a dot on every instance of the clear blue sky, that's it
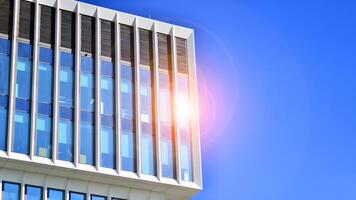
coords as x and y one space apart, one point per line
277 83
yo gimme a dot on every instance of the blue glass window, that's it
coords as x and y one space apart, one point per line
66 77
107 115
183 113
107 147
45 92
54 194
3 130
21 143
87 106
44 136
66 102
5 48
95 197
166 128
147 139
65 140
33 193
76 196
11 191
86 143
23 99
87 100
128 158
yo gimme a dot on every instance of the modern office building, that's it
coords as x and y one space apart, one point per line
95 104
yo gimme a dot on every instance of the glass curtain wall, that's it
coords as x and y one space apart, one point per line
45 96
5 65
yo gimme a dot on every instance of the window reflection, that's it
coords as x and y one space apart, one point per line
166 128
127 119
45 92
33 193
76 196
87 106
66 107
54 194
11 191
107 115
23 99
146 118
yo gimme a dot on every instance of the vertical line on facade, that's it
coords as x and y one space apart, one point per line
117 93
97 90
77 87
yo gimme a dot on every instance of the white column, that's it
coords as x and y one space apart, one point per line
195 131
137 96
12 95
117 93
56 83
97 90
174 109
77 86
156 102
34 99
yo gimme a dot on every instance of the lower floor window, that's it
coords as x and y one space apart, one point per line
11 191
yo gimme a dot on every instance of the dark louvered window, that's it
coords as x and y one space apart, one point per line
146 51
164 51
182 63
47 28
26 25
127 46
6 10
88 34
68 29
107 38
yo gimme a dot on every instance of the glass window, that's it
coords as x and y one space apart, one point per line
87 106
33 193
3 130
4 74
65 140
44 136
107 115
87 100
147 141
76 196
21 143
128 152
86 143
95 197
107 147
23 80
11 191
66 102
66 77
54 194
45 85
183 112
167 138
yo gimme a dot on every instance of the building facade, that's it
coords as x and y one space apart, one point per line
95 104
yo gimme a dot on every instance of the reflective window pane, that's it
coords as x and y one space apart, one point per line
11 191
44 136
107 147
23 79
21 143
33 193
4 74
76 196
166 128
86 143
146 118
128 152
87 98
65 140
45 83
183 112
55 194
66 101
66 78
3 130
95 197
